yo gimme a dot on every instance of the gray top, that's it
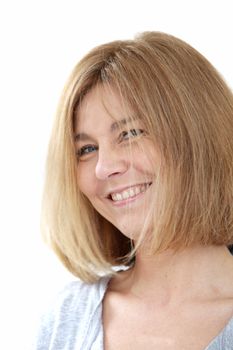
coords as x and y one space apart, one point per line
75 321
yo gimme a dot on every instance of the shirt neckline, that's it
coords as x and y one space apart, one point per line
105 282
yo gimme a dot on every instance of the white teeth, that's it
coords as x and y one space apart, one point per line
131 192
138 190
125 195
118 196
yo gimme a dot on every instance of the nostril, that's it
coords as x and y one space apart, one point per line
106 169
115 173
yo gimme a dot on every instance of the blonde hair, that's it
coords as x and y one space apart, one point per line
188 107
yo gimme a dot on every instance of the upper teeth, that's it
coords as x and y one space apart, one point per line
130 192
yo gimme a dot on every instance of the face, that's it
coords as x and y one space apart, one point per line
116 161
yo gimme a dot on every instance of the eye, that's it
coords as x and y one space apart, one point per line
125 135
85 150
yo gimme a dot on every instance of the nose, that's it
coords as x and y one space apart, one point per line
111 162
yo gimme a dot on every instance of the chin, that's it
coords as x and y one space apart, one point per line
129 231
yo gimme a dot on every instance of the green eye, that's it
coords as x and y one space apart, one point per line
87 149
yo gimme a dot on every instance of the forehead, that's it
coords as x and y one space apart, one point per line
101 104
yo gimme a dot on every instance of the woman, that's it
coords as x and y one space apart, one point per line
138 201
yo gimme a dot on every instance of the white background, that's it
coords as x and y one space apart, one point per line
40 41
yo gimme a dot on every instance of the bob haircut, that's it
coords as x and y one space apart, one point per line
188 107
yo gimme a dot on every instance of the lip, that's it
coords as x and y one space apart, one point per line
128 200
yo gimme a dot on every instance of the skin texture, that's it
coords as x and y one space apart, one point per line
110 163
170 301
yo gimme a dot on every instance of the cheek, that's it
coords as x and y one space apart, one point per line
145 163
85 181
146 157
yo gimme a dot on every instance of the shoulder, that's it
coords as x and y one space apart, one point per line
73 308
77 293
76 296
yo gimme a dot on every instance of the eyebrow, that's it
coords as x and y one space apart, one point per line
114 126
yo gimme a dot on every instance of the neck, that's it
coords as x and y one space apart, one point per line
197 272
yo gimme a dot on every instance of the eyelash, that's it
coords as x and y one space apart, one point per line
124 136
82 151
134 133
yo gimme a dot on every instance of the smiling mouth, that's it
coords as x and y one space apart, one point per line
130 192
